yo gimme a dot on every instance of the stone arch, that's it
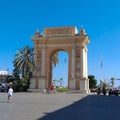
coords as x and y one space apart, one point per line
57 50
56 39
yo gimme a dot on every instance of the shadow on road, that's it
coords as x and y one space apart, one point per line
92 107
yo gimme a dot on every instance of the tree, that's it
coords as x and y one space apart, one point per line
23 66
92 81
55 59
54 82
10 78
103 84
61 80
112 81
24 62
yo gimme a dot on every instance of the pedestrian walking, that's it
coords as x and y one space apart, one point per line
10 93
52 89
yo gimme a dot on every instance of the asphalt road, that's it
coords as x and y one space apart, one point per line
59 106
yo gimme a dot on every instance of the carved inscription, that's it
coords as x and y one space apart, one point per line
59 31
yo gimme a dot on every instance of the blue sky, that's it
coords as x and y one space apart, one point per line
101 19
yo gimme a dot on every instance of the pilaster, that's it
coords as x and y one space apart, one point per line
43 60
73 62
83 62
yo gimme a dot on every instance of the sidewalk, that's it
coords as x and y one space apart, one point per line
33 106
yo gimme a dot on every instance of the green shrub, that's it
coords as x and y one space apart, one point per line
63 89
22 84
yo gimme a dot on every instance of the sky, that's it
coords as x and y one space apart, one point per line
19 20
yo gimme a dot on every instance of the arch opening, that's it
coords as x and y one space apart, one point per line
60 70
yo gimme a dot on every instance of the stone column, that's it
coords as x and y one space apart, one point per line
43 60
73 63
72 79
86 72
81 61
86 65
84 82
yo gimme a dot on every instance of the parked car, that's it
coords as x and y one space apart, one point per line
3 87
114 92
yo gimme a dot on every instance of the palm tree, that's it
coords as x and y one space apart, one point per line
54 82
112 81
61 80
23 61
55 59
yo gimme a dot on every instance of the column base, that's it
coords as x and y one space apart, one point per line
35 90
39 81
32 83
72 84
84 85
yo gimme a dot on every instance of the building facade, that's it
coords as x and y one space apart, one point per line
3 76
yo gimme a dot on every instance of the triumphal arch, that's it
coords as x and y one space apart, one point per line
52 40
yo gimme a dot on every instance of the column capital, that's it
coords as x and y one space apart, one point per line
84 47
